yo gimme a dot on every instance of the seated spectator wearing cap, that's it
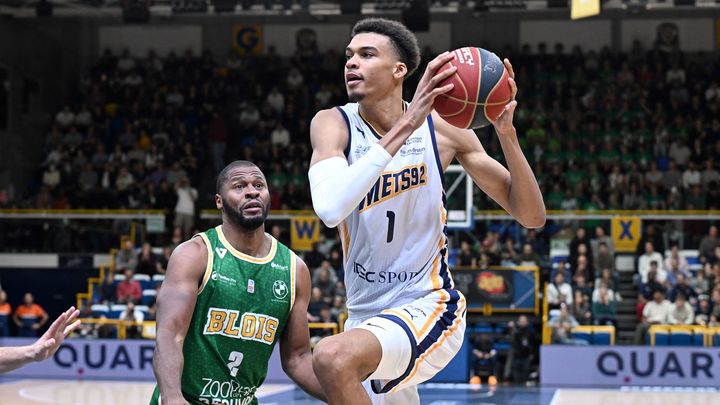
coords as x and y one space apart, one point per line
655 313
29 317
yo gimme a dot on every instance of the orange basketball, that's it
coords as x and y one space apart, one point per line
481 89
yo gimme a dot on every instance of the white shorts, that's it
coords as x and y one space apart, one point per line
418 340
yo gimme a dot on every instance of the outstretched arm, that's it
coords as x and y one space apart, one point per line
176 302
295 351
16 357
334 196
515 187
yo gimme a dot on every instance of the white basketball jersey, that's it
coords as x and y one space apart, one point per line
394 242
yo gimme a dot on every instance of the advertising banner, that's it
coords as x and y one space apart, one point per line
616 366
108 360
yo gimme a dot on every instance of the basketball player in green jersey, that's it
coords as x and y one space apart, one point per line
229 294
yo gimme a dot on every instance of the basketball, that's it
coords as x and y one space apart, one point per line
481 89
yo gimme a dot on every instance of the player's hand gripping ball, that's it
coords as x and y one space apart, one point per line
481 89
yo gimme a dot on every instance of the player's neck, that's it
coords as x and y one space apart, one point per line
250 242
382 115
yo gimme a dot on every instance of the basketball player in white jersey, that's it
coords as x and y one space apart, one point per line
376 173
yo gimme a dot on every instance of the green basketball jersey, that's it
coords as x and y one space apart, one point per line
242 307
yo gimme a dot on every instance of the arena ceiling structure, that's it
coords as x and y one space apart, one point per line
167 8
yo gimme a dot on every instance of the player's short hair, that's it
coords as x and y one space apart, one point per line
223 176
401 39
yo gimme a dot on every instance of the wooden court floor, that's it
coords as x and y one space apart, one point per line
70 392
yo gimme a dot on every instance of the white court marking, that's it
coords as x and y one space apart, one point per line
72 392
645 396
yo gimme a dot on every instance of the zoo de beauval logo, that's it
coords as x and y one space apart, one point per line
280 289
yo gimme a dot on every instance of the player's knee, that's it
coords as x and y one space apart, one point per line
330 357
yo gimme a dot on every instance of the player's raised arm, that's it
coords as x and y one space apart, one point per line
295 353
336 187
515 187
176 302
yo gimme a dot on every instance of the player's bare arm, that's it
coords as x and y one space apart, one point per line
514 188
16 357
176 302
295 353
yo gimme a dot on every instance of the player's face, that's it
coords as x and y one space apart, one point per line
245 200
372 66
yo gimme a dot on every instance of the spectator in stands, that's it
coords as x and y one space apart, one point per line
51 176
29 317
581 284
562 326
681 263
315 305
147 262
581 309
646 260
5 313
529 256
559 292
606 278
483 362
132 314
604 309
604 259
655 312
65 118
522 344
185 207
653 284
217 139
708 245
651 235
338 306
466 257
710 175
325 279
108 290
580 238
681 313
129 290
704 310
126 258
682 288
700 283
508 254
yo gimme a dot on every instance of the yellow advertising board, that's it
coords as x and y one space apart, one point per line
248 39
304 232
625 233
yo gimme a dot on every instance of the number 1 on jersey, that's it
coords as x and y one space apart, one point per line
235 359
391 226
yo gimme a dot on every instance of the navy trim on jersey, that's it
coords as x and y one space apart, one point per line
413 356
370 127
447 281
349 141
435 148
